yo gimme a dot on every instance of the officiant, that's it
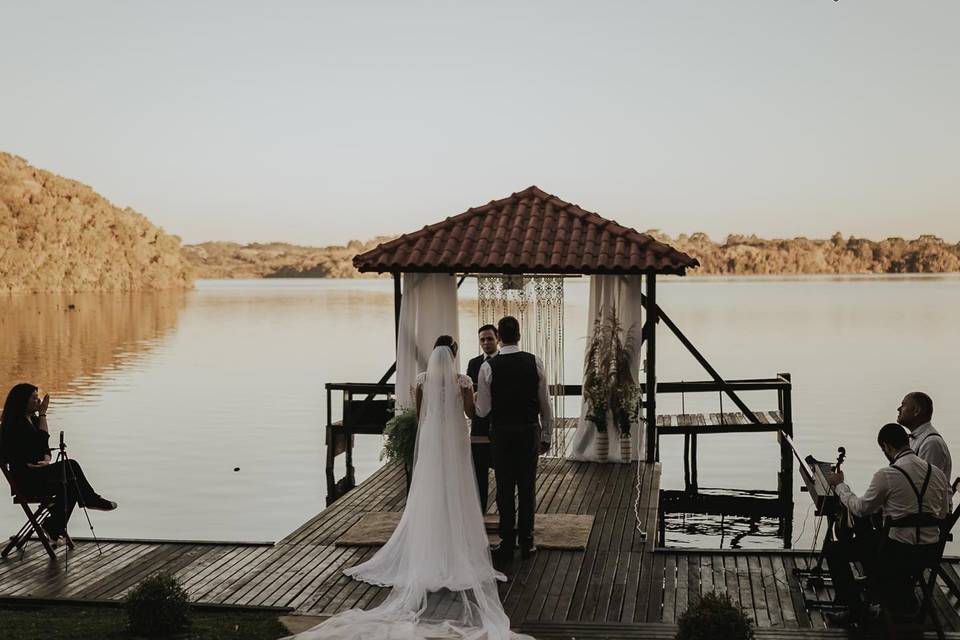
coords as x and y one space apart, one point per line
480 427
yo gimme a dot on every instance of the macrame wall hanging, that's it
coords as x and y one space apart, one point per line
537 302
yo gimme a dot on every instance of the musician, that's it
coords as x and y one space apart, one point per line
907 486
915 413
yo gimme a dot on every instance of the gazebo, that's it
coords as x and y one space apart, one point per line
535 235
529 233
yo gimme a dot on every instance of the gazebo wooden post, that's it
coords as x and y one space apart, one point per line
397 297
653 454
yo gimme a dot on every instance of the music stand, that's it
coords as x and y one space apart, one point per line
825 501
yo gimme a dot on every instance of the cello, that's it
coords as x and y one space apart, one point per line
843 526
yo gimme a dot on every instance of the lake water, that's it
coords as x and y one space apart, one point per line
163 395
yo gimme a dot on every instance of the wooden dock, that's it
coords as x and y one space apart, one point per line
621 578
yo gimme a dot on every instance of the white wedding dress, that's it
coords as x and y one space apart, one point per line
440 548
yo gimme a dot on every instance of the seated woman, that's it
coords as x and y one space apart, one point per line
24 446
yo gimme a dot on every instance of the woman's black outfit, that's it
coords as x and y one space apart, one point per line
22 443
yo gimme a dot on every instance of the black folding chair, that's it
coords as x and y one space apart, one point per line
926 566
35 518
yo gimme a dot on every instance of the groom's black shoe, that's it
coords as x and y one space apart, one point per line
527 550
502 553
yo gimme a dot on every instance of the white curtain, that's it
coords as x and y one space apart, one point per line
622 294
428 309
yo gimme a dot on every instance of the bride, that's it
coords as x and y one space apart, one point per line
439 551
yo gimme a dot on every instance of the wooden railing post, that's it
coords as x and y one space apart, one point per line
397 298
785 479
653 438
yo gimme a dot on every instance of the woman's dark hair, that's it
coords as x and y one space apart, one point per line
15 407
446 341
509 330
14 411
894 435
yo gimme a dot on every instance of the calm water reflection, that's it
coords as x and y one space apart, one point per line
163 395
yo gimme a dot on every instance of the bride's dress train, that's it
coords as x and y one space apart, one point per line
439 550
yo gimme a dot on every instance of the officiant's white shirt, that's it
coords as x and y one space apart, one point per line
927 443
485 377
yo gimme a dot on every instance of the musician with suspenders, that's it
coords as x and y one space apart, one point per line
908 487
915 413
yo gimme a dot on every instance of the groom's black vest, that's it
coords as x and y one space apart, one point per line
514 389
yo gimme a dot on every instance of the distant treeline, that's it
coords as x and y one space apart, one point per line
739 255
750 255
226 260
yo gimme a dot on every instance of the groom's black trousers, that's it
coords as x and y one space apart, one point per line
515 454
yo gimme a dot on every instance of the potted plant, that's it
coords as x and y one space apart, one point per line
609 386
624 391
400 440
596 387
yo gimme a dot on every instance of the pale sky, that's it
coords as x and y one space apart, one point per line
318 122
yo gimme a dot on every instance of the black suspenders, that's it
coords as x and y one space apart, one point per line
919 493
927 437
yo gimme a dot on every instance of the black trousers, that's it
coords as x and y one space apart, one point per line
891 569
862 548
515 454
481 466
48 480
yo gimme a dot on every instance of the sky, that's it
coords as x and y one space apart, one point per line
321 122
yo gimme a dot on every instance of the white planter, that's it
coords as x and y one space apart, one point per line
603 446
625 447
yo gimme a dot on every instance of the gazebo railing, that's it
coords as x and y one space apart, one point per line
366 415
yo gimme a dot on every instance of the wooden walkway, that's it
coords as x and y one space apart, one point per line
710 423
619 579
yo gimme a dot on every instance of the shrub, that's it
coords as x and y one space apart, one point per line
158 606
714 617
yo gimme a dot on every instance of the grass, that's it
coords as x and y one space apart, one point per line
101 623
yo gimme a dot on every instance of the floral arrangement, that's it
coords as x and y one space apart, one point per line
608 382
400 438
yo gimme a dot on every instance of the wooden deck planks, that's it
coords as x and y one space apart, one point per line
602 498
580 503
558 564
312 586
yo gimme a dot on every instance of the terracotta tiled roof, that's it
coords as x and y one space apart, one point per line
529 232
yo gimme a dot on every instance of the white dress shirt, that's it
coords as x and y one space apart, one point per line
890 492
484 401
927 443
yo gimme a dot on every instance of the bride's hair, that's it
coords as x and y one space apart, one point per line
446 341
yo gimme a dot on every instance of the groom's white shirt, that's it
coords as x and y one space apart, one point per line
484 401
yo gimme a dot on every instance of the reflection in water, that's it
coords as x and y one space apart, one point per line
721 532
64 342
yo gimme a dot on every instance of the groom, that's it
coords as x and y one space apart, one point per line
512 391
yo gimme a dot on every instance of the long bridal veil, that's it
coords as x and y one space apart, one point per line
438 559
